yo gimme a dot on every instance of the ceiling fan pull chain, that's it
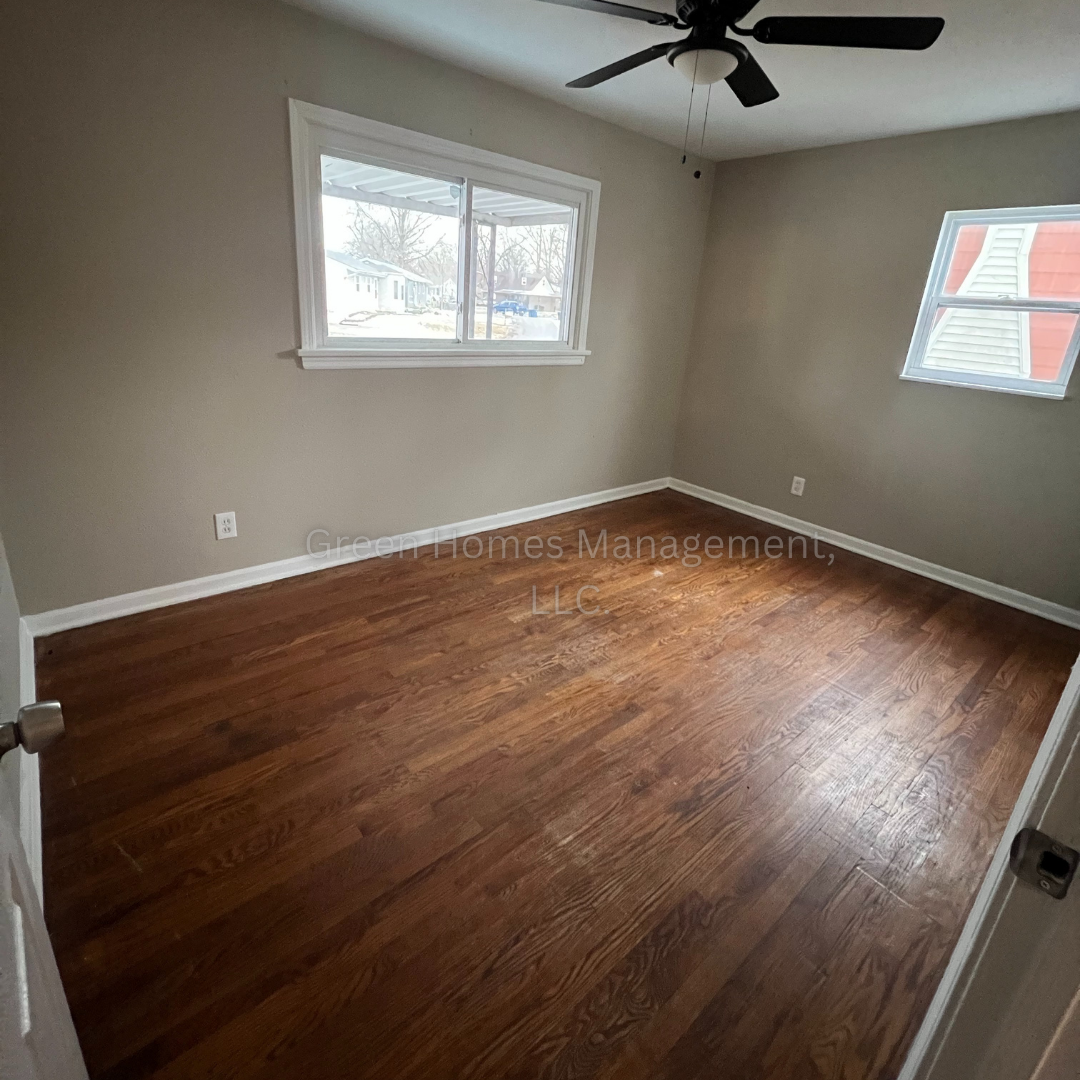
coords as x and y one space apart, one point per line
704 123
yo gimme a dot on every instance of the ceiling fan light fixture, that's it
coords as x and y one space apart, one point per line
704 66
708 55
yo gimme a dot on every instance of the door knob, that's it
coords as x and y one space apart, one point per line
1044 862
37 726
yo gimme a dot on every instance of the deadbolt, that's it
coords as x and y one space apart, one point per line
1044 862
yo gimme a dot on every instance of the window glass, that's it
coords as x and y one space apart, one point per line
1002 307
390 242
1018 344
520 267
1038 260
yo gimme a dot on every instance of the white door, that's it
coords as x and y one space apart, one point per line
1061 1058
1008 1007
37 1038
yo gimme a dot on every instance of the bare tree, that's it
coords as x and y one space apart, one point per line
521 253
511 257
513 264
546 246
440 264
393 235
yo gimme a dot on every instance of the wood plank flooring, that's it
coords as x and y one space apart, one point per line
383 821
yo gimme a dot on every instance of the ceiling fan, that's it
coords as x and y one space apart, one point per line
708 55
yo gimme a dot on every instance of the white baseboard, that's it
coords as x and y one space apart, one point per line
115 607
29 776
1035 605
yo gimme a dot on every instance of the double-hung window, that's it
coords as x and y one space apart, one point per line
418 252
1001 309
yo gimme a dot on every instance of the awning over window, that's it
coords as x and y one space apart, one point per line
389 187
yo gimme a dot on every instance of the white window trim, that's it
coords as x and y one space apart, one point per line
316 130
934 296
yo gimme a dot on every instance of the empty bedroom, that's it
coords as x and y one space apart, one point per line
540 539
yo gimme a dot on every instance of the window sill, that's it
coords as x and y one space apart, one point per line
1051 391
337 359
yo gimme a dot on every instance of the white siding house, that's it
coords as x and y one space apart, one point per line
357 286
980 339
534 292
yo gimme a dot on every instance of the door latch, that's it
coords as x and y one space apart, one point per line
1044 862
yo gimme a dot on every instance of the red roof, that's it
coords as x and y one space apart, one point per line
1053 273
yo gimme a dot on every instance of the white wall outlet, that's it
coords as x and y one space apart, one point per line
798 485
225 525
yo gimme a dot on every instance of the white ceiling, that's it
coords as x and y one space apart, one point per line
996 59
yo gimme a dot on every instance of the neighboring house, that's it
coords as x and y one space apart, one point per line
534 292
356 286
445 294
1016 260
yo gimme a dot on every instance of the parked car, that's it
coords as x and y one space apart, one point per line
510 307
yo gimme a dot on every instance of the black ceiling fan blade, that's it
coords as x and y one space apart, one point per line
657 18
854 32
619 67
750 83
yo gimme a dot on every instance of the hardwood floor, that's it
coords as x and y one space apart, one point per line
384 821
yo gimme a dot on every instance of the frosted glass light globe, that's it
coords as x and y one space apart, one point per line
703 66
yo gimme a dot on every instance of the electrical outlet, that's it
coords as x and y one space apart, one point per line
798 485
225 525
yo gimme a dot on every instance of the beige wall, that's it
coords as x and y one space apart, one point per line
148 302
814 268
149 308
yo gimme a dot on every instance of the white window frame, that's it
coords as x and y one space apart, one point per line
934 297
316 131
